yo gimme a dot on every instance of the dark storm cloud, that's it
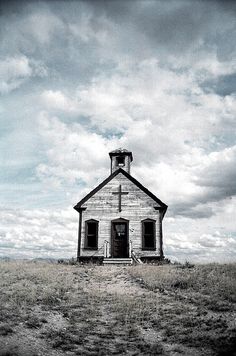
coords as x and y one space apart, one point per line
223 85
191 210
115 9
219 179
137 29
217 182
174 26
40 29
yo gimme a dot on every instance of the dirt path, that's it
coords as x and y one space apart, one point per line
126 298
104 310
153 323
114 280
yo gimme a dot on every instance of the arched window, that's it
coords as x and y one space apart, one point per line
148 234
91 234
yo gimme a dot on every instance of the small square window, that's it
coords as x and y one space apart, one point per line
120 161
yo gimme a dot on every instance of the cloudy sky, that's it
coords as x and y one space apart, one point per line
81 78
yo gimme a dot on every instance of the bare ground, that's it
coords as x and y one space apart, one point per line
58 310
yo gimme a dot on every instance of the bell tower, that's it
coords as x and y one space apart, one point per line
121 158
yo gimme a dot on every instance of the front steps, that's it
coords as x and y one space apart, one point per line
117 261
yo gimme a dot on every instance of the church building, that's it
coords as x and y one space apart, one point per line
120 221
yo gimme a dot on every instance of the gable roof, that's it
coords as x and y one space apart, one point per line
132 179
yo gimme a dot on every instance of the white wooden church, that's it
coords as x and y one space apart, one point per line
120 221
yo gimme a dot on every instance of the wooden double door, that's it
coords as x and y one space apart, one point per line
120 238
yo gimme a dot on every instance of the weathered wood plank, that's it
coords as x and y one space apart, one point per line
136 206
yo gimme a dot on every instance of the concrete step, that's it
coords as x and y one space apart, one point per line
117 261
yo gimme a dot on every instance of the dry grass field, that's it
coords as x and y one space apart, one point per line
56 309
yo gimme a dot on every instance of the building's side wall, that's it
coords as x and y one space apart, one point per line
136 206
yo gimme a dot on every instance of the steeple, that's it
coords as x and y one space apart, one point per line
121 158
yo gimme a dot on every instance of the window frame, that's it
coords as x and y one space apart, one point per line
86 247
154 235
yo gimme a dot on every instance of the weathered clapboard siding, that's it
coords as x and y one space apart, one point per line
136 206
120 196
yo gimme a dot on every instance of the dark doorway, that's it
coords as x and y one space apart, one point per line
119 238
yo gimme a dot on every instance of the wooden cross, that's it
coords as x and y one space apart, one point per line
120 193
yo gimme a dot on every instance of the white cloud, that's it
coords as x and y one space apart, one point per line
14 71
171 103
43 25
39 68
203 63
73 153
217 174
86 30
212 239
56 100
212 67
38 233
192 181
163 116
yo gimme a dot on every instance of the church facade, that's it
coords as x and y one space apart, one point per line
120 220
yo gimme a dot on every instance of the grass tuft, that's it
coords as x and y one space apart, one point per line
213 280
